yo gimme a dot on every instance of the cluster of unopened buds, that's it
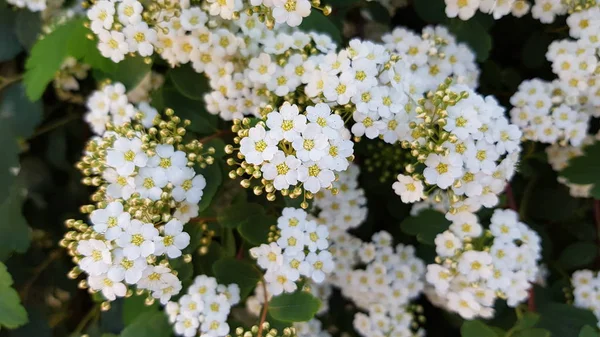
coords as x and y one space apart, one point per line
461 145
476 266
146 191
300 250
204 309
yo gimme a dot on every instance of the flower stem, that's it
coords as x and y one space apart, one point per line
263 315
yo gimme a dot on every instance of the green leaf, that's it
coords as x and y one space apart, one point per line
148 324
588 331
476 328
229 270
299 306
563 319
203 263
474 35
131 71
9 43
203 123
584 169
532 333
213 175
13 226
425 226
534 51
378 13
135 306
234 215
27 27
256 228
431 11
189 83
578 254
12 313
185 271
317 22
529 320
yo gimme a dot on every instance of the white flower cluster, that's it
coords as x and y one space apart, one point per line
391 278
141 93
543 10
111 105
476 266
586 284
344 210
32 5
546 114
70 73
298 148
204 310
300 250
558 158
146 191
468 149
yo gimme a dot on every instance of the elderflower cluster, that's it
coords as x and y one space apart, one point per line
558 158
32 5
391 278
147 189
461 144
586 291
311 328
300 250
111 104
466 9
474 267
204 310
69 75
546 114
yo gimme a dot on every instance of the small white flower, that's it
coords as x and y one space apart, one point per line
259 146
282 170
137 239
287 123
109 288
110 220
409 189
173 241
321 263
291 11
97 258
126 269
149 182
125 155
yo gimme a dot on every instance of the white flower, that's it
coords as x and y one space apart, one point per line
214 327
464 303
173 241
125 155
137 239
291 11
312 145
109 288
101 16
149 183
167 159
261 68
291 241
316 236
321 264
126 269
292 218
186 325
315 176
475 265
259 146
442 170
110 220
282 170
446 244
112 45
97 258
216 307
157 277
321 115
130 11
286 124
464 9
140 38
186 211
193 18
278 281
187 185
268 256
409 189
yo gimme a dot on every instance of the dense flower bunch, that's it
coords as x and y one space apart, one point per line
111 104
300 250
461 144
543 10
476 266
586 290
558 158
141 93
545 114
32 5
147 190
312 328
391 278
71 72
204 309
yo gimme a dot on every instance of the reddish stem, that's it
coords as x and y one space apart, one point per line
510 198
240 253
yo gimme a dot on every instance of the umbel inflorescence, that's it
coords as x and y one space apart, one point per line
146 190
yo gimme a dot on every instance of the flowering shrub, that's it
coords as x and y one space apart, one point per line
299 168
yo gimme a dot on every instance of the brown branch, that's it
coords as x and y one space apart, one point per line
55 254
510 198
203 219
240 253
263 315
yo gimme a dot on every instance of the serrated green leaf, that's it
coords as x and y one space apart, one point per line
9 42
533 333
476 328
27 27
213 175
189 83
229 270
256 228
298 306
12 313
13 226
148 324
135 306
234 215
588 331
425 225
578 254
319 23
